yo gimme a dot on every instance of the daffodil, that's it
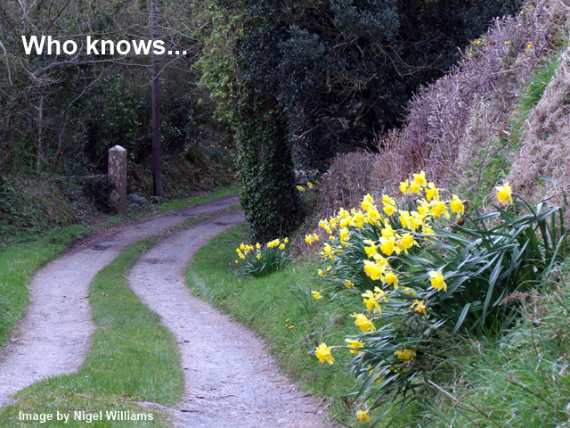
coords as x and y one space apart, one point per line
348 283
327 252
457 206
389 210
420 179
274 244
324 224
324 354
407 221
406 242
300 189
439 209
373 270
316 295
370 302
373 216
363 323
423 208
415 188
387 232
405 354
405 187
344 235
432 192
354 345
391 279
419 307
388 200
437 280
504 194
362 416
371 250
368 203
359 220
311 238
388 246
427 230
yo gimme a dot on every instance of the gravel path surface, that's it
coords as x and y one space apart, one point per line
53 338
230 381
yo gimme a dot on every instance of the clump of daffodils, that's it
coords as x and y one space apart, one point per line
262 259
419 262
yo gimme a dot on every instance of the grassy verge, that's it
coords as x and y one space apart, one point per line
17 265
219 193
521 380
279 307
133 358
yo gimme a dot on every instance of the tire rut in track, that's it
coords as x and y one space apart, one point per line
230 380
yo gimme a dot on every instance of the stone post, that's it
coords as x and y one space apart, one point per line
117 172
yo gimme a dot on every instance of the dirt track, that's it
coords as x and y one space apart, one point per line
231 382
53 338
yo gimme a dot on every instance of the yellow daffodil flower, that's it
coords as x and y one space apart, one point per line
363 323
348 283
504 194
437 280
324 354
354 345
373 270
457 206
419 307
405 354
362 416
391 279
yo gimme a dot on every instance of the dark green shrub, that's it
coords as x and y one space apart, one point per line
98 190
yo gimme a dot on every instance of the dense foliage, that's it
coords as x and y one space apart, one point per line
319 78
426 269
62 113
343 70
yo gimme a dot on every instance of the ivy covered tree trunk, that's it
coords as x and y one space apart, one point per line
268 194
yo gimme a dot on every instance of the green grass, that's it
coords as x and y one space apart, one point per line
133 358
17 266
279 307
521 380
531 97
219 193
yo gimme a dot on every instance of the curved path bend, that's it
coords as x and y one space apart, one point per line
53 338
230 381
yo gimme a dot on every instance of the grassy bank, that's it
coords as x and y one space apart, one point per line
519 380
133 358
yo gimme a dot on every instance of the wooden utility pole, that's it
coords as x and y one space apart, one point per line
155 89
